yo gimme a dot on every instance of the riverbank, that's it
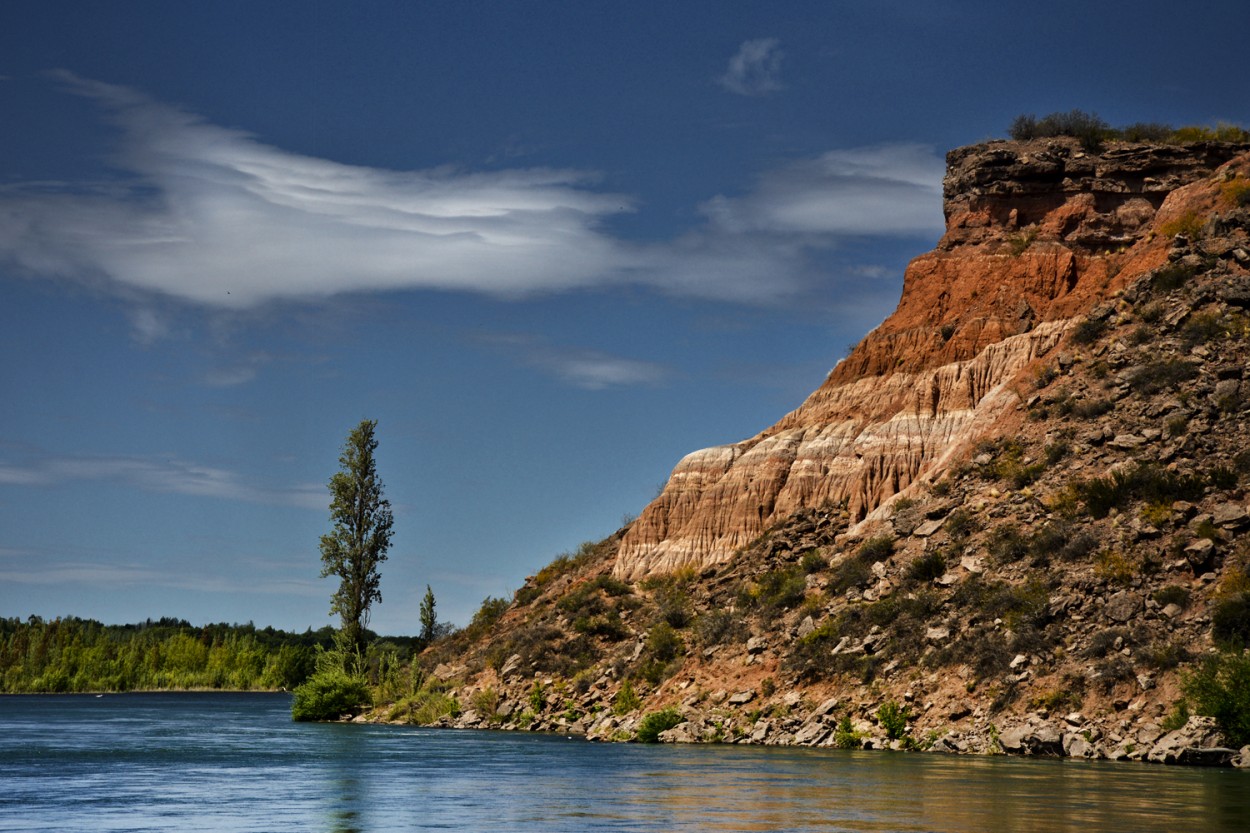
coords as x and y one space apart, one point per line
1196 743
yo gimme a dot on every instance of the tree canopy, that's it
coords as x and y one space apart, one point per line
360 537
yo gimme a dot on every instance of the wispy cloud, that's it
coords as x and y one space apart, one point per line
115 576
883 190
239 372
755 69
167 476
214 217
579 367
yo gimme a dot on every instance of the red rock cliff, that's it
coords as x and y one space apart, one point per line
1037 233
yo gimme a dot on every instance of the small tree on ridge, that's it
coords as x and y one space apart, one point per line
429 621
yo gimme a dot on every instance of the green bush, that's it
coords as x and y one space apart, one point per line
1171 277
427 706
1201 328
328 695
1144 482
893 719
490 612
1236 192
813 562
626 699
1088 128
717 627
1161 375
845 736
674 606
1230 622
877 548
927 567
611 585
664 643
1223 477
606 625
1007 544
1090 408
1092 131
780 589
960 524
1220 688
849 572
653 724
1173 594
1089 330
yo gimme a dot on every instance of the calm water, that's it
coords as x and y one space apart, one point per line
226 762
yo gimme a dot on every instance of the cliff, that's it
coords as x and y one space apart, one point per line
1037 234
1014 519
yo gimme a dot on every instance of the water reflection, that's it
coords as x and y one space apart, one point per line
240 765
346 750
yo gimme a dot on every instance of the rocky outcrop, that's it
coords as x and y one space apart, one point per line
1037 234
1083 561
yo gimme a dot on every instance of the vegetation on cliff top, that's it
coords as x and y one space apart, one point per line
1092 131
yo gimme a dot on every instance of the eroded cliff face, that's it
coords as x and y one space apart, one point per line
1037 234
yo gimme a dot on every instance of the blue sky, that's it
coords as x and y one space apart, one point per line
550 247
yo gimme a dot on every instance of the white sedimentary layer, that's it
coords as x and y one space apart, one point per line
861 442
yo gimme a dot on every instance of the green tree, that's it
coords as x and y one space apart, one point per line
357 544
429 621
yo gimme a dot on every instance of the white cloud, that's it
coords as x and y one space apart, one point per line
581 368
755 69
881 190
211 216
593 370
166 476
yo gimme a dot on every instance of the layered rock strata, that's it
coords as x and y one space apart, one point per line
1037 234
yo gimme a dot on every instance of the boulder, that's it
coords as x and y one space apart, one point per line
1122 606
1230 516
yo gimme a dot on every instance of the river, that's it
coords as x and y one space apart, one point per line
235 762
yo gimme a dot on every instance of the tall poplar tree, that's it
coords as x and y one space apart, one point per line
357 544
429 621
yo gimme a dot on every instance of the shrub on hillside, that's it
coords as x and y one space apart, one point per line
877 548
1171 277
654 723
893 719
1143 482
1173 594
1230 621
717 627
849 572
1089 330
1188 225
927 567
329 695
1220 688
1007 544
1236 192
776 590
1160 375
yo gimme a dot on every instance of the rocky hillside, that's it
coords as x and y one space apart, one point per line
1009 520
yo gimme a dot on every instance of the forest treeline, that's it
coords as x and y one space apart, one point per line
78 655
